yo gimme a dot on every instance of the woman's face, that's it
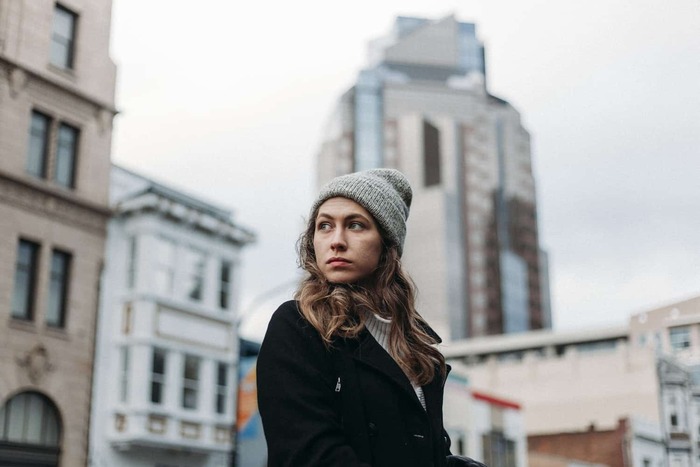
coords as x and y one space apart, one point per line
347 242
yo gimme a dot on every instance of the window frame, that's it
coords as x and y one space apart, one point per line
675 334
45 144
158 380
72 155
221 388
225 274
67 44
124 364
50 424
165 267
190 385
64 288
32 280
195 273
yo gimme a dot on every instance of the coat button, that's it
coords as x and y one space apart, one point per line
372 428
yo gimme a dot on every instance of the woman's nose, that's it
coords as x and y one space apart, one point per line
338 240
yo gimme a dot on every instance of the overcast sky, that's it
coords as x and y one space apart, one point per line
227 100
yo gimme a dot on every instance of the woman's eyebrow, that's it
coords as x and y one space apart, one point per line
352 216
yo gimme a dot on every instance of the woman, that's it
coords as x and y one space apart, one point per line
348 374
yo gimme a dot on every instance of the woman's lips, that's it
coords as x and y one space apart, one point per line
337 261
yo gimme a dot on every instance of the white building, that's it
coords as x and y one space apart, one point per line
482 426
165 364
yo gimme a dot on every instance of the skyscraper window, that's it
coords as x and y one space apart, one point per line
431 154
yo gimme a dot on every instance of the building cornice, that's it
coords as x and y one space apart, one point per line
36 197
150 201
16 70
529 340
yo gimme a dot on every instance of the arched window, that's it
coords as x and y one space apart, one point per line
30 431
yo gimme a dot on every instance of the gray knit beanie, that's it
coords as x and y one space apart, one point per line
384 193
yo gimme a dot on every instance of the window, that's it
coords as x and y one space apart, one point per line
674 420
221 387
157 376
695 377
431 155
58 289
165 266
40 156
63 38
124 374
29 417
25 280
38 144
195 262
498 450
190 386
224 284
679 337
131 267
66 153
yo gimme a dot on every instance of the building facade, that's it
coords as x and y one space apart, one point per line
56 109
481 426
422 106
629 444
674 330
579 384
167 341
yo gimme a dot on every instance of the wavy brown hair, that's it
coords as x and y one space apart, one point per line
340 310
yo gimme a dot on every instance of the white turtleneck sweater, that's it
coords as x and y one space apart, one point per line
379 328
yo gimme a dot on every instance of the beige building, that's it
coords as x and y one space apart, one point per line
672 329
576 382
422 106
56 109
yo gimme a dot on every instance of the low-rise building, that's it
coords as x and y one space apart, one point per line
568 381
630 443
482 425
167 343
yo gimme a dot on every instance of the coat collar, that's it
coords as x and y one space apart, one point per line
367 351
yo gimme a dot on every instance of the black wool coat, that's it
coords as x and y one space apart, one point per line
351 406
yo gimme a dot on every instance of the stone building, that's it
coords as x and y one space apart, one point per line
56 109
422 106
167 340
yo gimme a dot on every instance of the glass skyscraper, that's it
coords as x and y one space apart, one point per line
422 106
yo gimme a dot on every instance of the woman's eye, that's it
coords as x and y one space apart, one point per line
323 226
356 226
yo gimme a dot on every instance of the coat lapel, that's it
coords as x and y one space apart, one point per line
369 352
